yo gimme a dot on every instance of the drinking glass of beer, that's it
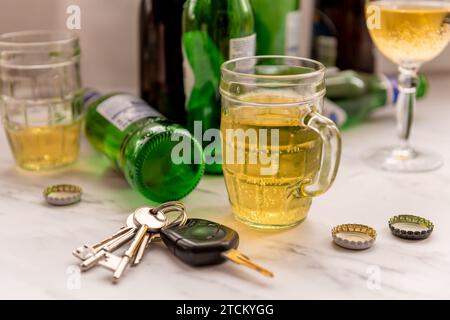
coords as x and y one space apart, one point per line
278 150
409 33
39 82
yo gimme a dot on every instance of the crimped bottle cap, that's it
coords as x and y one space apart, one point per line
62 194
354 236
410 227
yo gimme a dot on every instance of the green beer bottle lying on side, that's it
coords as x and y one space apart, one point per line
352 96
159 158
213 32
350 84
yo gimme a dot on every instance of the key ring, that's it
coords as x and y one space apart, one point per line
173 206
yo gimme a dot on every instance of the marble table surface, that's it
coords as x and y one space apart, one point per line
36 240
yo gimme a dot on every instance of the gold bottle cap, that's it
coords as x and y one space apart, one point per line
410 227
354 236
62 194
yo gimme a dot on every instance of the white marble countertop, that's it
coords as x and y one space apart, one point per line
37 239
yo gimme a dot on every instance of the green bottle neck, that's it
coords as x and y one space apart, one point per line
350 84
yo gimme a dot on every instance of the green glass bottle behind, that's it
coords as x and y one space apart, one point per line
351 84
352 96
159 158
213 31
277 26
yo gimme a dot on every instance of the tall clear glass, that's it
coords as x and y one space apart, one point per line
39 81
409 33
278 150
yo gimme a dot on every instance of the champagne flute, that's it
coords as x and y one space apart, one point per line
409 33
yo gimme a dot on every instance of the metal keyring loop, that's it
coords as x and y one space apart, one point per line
170 204
173 206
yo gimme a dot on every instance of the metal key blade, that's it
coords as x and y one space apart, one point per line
237 257
141 249
86 251
93 260
130 253
110 261
148 239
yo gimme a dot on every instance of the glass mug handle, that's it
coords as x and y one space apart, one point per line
331 154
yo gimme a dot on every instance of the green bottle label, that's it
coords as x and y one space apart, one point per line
188 75
292 36
243 47
326 47
123 110
334 112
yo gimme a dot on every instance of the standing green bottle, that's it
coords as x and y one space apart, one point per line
158 157
277 25
213 32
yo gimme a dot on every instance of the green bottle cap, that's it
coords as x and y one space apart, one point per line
410 227
354 236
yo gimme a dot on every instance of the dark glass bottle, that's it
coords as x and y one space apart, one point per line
340 36
161 72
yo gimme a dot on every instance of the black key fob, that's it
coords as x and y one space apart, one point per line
200 242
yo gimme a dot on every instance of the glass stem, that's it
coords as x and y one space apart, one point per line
407 84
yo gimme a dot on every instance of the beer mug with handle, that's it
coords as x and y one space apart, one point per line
278 150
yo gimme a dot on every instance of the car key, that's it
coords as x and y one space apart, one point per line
150 221
201 242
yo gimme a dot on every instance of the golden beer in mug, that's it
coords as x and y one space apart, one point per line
278 151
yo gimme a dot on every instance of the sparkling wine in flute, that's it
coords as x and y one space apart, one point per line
412 32
409 33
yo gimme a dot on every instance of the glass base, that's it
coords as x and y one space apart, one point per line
45 166
269 227
402 159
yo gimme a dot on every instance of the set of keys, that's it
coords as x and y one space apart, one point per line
196 242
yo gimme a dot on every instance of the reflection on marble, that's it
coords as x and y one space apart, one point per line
37 239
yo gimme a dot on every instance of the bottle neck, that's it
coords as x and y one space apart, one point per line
89 97
391 85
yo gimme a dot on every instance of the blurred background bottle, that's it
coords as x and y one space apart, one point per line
213 32
340 37
352 96
161 75
144 145
277 27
